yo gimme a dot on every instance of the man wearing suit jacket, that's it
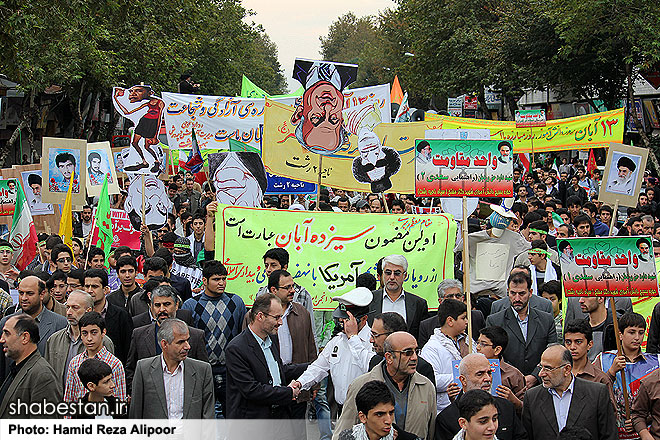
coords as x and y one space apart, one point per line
449 289
530 331
164 305
30 378
256 377
392 298
170 385
147 318
535 301
565 401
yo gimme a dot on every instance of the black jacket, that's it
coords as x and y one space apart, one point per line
417 309
145 318
119 327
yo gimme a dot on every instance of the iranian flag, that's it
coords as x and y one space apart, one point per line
23 236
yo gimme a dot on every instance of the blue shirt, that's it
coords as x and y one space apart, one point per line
523 323
273 368
562 403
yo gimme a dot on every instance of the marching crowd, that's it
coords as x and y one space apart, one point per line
159 334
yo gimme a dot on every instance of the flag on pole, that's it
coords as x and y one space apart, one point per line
555 167
591 163
524 160
396 94
66 221
195 162
403 115
104 222
557 221
23 236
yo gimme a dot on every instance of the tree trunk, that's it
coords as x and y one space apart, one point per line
483 104
636 118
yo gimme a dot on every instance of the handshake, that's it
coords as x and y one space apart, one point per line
296 387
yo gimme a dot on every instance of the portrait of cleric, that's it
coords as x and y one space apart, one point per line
318 114
623 173
376 163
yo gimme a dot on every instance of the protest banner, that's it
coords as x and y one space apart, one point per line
496 374
7 196
329 250
623 175
122 231
283 155
596 130
448 168
217 119
608 266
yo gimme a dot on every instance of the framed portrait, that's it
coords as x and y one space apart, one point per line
624 171
100 163
65 158
32 186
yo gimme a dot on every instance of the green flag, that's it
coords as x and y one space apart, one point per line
235 145
251 90
104 222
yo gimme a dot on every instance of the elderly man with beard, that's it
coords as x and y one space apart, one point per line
624 182
475 374
376 163
164 305
414 394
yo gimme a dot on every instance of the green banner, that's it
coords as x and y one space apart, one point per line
328 250
251 90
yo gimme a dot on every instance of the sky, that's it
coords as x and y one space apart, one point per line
295 25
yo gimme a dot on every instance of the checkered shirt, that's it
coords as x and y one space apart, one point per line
74 389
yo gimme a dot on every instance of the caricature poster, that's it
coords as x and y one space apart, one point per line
100 163
66 159
239 178
156 202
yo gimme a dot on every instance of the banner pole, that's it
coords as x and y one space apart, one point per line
466 274
89 243
531 140
624 386
143 214
387 209
614 214
318 185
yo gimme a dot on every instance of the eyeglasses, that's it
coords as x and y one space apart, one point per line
483 344
549 369
388 272
277 317
290 287
454 296
64 260
376 335
409 352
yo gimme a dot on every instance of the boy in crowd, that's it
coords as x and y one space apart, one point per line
551 290
96 376
478 418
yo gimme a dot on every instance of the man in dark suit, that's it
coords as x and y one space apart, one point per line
392 298
535 301
256 377
475 374
190 394
566 401
164 305
530 331
449 289
30 378
119 325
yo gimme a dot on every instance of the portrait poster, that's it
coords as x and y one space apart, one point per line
496 374
118 160
608 266
239 178
623 175
451 168
62 158
156 202
329 250
33 186
7 196
100 163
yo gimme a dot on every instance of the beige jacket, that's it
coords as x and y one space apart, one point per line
420 415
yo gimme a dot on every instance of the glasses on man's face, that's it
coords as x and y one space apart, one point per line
290 287
458 296
64 260
277 317
549 369
483 344
388 272
377 335
409 352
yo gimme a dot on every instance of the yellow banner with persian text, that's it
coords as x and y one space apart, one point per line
596 130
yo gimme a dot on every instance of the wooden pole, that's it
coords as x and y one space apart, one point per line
614 215
143 213
387 209
89 241
466 274
624 386
531 132
318 185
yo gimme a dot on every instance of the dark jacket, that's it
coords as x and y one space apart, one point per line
145 318
510 427
427 327
119 327
417 309
250 390
591 408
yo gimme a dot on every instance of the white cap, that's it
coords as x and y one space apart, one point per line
359 297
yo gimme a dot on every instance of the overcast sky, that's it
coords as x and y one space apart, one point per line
295 25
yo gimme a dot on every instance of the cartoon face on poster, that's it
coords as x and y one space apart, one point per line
156 202
318 114
239 178
145 110
32 184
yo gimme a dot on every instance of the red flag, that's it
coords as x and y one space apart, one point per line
396 95
524 159
591 164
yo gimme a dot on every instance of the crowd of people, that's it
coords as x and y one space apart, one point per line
158 333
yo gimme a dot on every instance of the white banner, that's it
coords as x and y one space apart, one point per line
216 119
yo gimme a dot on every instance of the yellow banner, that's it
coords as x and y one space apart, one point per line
284 156
581 132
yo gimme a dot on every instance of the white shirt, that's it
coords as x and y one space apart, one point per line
562 403
398 305
345 359
284 336
173 390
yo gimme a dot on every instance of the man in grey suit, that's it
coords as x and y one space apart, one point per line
30 377
172 386
535 301
566 401
164 305
530 331
31 291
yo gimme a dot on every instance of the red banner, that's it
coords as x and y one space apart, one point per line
122 231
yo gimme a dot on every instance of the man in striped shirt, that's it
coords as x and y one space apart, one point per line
92 330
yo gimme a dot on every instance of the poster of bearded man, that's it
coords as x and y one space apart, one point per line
623 174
